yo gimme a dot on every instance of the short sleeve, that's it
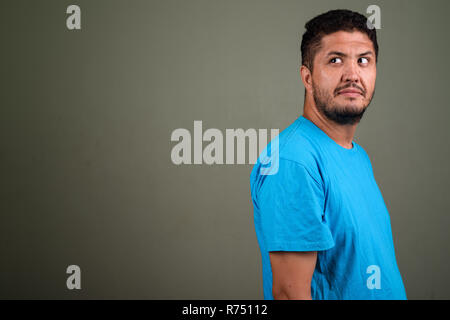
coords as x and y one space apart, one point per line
291 210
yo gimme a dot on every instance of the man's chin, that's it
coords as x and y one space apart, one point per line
345 116
342 110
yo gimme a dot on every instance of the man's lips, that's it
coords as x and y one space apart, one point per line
350 93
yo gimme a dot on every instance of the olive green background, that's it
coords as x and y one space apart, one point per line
87 115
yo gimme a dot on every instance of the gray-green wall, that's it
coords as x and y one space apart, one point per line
86 120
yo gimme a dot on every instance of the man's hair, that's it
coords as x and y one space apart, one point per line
330 22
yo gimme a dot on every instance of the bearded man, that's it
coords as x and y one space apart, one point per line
321 222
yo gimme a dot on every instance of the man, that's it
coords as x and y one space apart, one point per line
321 221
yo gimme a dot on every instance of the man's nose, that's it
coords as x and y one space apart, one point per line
351 72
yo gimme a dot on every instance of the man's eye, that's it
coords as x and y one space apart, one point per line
335 60
364 60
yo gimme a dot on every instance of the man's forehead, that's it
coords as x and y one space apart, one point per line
346 41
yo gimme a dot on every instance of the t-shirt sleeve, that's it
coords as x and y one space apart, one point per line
291 210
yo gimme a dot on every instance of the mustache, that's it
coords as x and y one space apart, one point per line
351 85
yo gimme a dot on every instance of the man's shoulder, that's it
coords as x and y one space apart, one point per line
296 144
293 145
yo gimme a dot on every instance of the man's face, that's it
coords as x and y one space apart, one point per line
343 77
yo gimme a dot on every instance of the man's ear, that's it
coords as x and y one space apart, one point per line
306 75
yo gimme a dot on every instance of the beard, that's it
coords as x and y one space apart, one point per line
342 114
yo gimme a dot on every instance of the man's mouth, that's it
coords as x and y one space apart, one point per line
350 93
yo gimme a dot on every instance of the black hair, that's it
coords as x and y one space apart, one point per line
330 22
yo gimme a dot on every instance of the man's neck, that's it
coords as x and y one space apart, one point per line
341 134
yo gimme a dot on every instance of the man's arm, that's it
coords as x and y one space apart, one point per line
292 273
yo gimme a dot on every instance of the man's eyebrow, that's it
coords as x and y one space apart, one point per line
341 54
367 53
336 53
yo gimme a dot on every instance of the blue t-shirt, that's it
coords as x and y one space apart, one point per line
319 196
